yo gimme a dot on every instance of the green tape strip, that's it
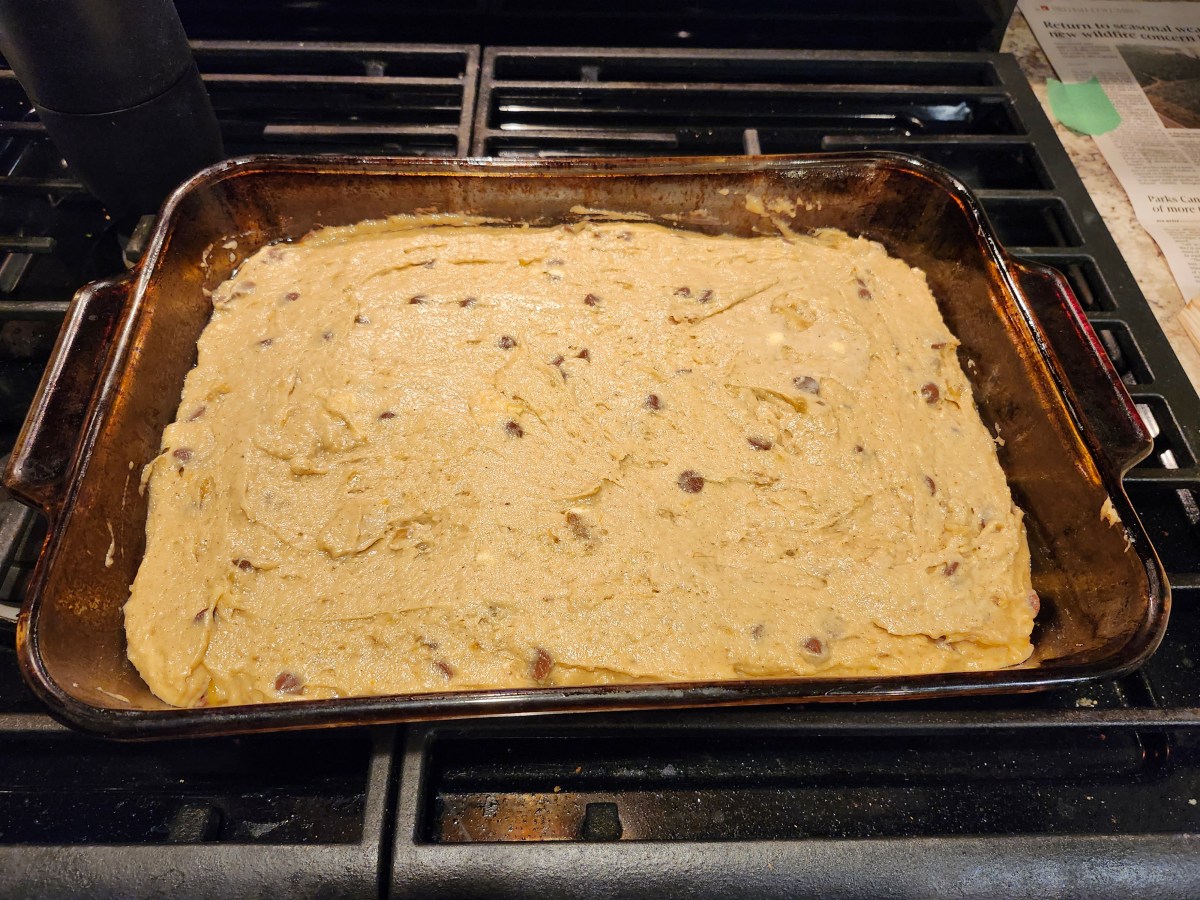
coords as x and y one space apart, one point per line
1083 107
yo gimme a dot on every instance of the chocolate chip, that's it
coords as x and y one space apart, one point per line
416 300
858 448
360 319
266 342
690 482
930 483
653 402
244 564
444 668
287 683
705 297
541 666
814 645
506 342
591 300
557 362
864 292
513 429
950 568
930 392
387 414
578 526
938 346
183 454
584 355
466 301
757 632
807 383
759 443
200 616
291 296
683 292
200 411
1035 602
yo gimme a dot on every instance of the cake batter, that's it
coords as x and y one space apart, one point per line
429 454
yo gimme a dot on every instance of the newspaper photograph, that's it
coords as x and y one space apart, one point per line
1145 62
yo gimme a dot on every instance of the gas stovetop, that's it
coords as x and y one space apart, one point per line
1088 792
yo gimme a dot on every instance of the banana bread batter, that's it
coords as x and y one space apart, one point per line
430 454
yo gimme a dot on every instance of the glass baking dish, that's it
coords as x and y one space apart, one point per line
1040 379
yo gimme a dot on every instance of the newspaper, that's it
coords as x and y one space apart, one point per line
1147 58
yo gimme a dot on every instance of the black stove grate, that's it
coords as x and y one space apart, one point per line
362 99
1041 791
218 818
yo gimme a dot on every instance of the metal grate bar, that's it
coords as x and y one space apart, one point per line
33 310
319 83
20 243
950 95
57 187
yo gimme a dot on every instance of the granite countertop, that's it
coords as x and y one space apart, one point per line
1142 255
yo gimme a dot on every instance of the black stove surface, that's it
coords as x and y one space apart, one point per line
1088 792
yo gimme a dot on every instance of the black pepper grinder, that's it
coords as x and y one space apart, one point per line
116 86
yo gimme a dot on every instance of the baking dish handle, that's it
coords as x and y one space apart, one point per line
38 468
1093 382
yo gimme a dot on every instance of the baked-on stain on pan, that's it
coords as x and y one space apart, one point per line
1040 379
